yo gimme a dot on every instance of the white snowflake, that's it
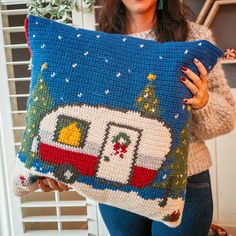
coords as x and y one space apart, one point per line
79 95
124 39
34 35
164 176
107 91
41 80
106 60
86 53
68 174
209 67
160 57
36 22
43 46
176 116
67 80
141 45
98 36
59 37
186 51
53 74
200 44
74 65
78 35
118 74
129 70
61 98
183 107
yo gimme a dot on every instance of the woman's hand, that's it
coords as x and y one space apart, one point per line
197 85
51 185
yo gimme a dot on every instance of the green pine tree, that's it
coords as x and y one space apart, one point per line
41 101
175 182
147 101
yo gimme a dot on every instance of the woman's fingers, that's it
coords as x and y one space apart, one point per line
53 184
198 85
195 79
202 70
43 186
62 186
192 87
192 101
197 102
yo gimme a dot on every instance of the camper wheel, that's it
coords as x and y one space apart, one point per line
66 173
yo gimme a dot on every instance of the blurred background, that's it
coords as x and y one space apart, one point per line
68 213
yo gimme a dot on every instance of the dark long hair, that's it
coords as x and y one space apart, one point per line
171 23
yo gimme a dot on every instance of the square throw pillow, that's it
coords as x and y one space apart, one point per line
105 116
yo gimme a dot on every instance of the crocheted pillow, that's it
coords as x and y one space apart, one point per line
106 116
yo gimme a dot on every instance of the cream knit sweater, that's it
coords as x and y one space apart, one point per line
217 117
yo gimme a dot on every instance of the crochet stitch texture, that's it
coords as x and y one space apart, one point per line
217 117
106 117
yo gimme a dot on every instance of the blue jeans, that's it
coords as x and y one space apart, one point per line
196 221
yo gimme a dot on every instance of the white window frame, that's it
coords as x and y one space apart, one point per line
7 138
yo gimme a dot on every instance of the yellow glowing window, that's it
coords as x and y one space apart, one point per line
71 131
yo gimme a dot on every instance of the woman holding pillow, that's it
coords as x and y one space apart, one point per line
213 112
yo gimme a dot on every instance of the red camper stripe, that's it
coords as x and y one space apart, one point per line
84 163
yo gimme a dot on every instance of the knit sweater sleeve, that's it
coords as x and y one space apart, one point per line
217 117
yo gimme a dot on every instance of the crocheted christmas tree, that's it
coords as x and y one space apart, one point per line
147 100
41 100
175 183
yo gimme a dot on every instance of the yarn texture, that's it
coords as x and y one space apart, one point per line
217 117
106 116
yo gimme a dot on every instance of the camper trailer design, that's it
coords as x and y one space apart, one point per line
110 144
